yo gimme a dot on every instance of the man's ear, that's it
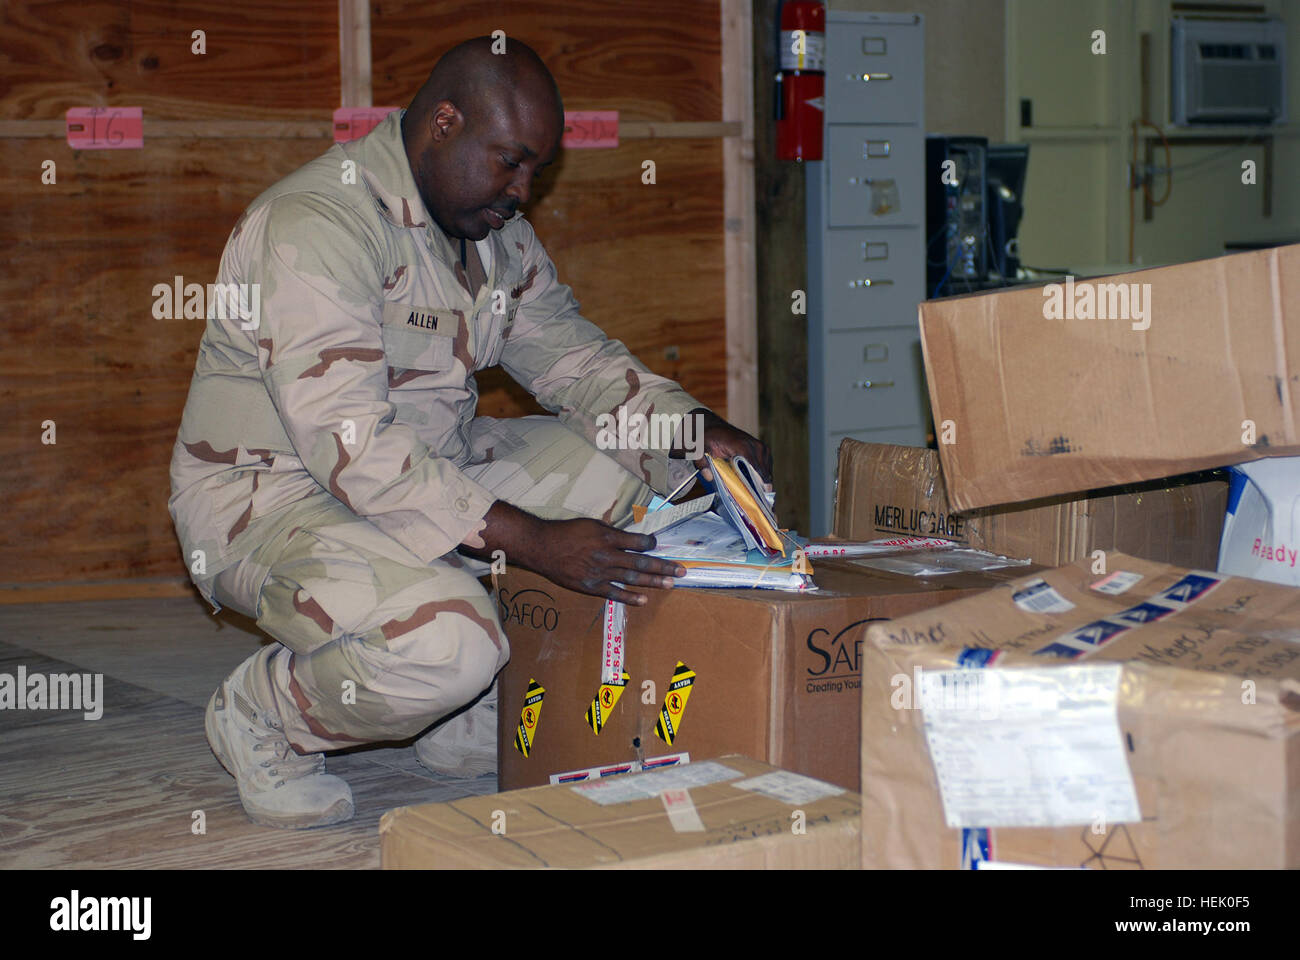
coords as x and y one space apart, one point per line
445 120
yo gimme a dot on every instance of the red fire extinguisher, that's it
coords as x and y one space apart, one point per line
801 82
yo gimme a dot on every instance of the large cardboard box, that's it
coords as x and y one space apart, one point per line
776 674
1147 718
1136 377
884 490
756 816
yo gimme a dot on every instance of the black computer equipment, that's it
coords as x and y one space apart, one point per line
1007 165
956 212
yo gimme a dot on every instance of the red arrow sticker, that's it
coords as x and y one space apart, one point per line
353 123
105 128
590 129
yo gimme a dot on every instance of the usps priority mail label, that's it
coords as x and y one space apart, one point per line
1087 639
1036 747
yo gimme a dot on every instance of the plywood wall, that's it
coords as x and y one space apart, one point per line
79 345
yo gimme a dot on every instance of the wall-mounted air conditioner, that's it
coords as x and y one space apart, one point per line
1227 71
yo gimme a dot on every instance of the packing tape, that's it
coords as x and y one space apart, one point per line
526 736
669 723
605 701
681 811
611 664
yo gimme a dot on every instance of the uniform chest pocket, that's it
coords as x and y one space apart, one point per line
418 340
498 328
500 319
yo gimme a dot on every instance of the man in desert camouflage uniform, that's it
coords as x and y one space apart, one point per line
330 477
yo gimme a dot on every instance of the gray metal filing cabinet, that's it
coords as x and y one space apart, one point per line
866 245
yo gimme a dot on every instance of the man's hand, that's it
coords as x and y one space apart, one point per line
723 441
583 555
587 555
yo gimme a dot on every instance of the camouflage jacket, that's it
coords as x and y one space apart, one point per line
351 366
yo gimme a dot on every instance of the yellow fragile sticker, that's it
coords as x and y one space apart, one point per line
679 691
528 717
605 701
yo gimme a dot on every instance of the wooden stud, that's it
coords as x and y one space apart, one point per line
738 215
354 53
781 255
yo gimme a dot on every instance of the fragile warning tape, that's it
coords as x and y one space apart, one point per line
612 654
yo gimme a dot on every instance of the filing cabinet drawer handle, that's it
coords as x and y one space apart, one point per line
868 282
872 384
884 192
871 77
875 148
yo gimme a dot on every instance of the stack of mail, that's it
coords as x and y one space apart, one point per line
730 537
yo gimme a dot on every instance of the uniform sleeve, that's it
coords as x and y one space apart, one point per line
575 371
321 307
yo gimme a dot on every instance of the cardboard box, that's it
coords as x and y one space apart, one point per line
884 490
1170 738
776 673
1039 406
783 821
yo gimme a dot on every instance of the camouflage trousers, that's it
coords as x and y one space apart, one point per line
373 643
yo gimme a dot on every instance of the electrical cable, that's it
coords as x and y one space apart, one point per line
1132 188
1168 172
1212 157
993 254
939 286
930 243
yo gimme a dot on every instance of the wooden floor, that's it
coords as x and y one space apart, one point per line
121 791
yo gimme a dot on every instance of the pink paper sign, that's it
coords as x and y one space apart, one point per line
352 123
590 128
105 128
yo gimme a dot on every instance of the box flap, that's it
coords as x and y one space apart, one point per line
1115 380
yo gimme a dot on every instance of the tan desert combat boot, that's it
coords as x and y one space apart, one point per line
464 746
278 786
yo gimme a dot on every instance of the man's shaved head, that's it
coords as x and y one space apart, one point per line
477 80
479 130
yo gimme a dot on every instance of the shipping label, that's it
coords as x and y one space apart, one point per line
1038 747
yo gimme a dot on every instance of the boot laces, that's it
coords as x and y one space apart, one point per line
286 762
